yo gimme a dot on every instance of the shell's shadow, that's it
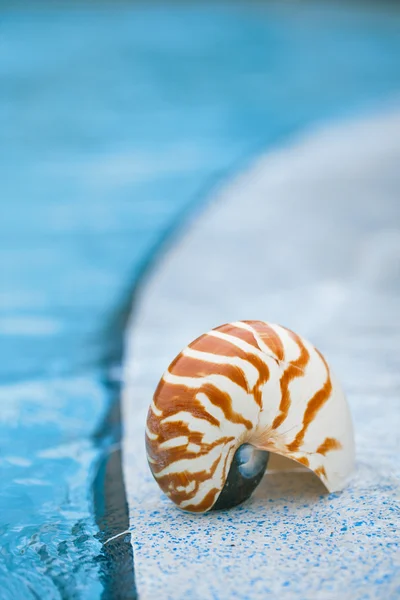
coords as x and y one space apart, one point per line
287 480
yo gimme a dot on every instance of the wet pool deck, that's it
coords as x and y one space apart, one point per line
308 237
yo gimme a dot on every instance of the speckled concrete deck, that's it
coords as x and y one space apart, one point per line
308 237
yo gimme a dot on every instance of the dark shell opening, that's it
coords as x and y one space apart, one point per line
247 469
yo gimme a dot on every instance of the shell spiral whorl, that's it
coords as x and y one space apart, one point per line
234 394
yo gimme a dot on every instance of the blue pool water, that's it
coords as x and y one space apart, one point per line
113 123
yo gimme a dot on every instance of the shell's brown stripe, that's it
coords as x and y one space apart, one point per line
187 366
172 398
168 431
304 461
328 445
263 376
170 455
313 407
320 472
224 402
262 368
184 478
269 337
176 480
171 482
238 332
181 496
294 369
211 344
206 503
214 345
153 422
257 395
253 359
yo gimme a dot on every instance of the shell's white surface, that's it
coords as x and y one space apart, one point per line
321 249
256 383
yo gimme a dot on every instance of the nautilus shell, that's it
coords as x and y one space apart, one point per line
232 396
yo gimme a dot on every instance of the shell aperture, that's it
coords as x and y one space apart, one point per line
246 471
